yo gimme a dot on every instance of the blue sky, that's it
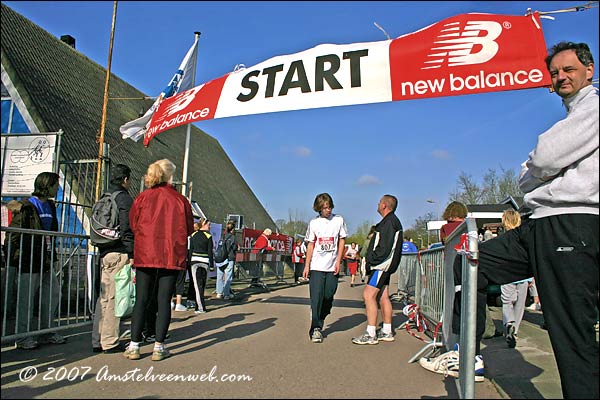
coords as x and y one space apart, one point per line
413 149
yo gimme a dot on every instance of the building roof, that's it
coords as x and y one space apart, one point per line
488 213
516 201
489 208
63 89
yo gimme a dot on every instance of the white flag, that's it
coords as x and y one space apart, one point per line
181 81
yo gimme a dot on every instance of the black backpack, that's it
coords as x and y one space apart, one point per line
222 251
104 223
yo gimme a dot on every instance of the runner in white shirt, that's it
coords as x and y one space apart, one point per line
326 240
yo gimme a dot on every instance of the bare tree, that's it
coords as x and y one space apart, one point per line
467 192
493 189
509 184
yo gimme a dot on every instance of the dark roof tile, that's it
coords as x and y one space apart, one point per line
66 90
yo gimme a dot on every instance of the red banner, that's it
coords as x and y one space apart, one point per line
281 243
464 54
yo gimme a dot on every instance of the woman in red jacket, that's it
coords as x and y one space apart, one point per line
161 220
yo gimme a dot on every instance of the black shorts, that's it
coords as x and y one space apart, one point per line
379 279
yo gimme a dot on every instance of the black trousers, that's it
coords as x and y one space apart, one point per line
561 252
322 288
298 269
149 282
180 283
199 278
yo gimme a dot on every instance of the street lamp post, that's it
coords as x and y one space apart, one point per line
437 217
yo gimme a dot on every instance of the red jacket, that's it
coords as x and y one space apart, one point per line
161 220
261 243
448 228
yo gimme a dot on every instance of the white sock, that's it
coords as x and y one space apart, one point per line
158 346
371 330
387 328
134 345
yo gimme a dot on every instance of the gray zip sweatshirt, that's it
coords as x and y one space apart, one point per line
561 174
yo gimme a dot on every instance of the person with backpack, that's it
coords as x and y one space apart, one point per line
114 255
33 257
224 261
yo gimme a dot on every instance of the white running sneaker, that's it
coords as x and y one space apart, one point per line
447 364
365 339
385 337
317 336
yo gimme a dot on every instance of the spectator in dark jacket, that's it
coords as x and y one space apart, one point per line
383 258
113 257
201 255
33 256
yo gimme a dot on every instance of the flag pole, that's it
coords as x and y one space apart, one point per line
105 103
186 154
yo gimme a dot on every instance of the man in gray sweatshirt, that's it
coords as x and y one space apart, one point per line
558 244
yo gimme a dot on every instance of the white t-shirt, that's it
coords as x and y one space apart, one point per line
325 233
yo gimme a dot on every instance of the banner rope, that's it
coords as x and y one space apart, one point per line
583 7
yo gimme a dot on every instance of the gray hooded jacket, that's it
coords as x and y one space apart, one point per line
561 174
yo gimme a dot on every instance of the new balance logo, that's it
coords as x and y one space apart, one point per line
465 46
181 103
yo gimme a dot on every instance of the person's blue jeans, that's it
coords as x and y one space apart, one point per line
224 279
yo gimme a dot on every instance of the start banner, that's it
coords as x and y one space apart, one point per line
464 54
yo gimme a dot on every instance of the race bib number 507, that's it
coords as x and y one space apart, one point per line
325 244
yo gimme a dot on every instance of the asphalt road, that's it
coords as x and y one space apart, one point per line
257 347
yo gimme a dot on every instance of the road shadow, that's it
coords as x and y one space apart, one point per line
199 341
508 369
49 361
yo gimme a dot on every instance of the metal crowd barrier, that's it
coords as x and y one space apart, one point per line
468 321
428 297
253 267
406 275
52 304
434 289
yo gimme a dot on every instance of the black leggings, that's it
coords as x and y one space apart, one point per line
147 282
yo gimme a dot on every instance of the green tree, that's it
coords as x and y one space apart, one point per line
295 225
361 233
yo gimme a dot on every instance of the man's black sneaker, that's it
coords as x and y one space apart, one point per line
117 349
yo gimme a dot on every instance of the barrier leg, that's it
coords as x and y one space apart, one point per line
256 281
427 350
279 269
